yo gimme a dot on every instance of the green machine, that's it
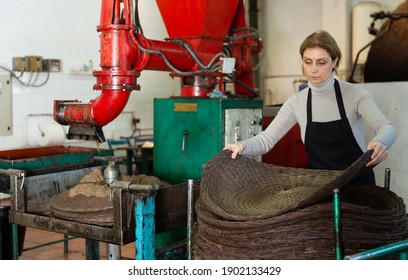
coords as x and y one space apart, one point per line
188 132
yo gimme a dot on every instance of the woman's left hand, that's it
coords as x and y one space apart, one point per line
379 154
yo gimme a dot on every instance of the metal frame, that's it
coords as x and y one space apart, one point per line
400 247
121 233
134 217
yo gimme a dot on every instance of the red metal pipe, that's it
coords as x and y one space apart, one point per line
177 55
116 79
107 9
242 50
109 105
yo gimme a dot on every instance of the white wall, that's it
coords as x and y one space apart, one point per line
284 24
66 30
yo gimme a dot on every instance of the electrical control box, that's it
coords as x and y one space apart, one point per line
242 124
19 64
5 105
33 63
51 65
188 132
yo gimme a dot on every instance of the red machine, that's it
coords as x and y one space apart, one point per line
203 34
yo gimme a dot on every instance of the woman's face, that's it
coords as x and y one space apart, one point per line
317 65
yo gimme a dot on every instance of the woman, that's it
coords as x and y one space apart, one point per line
330 114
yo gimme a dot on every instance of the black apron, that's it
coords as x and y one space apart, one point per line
332 145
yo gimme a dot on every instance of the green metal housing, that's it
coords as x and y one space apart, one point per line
188 132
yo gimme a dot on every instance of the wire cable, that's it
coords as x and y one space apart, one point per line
351 80
254 33
254 94
194 54
170 65
36 77
28 84
138 26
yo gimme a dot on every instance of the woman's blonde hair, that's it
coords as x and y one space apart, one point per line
324 40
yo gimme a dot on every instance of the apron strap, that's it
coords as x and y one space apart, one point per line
309 106
339 99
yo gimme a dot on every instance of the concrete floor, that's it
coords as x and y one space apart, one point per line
76 247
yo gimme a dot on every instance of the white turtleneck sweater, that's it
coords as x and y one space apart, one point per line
359 105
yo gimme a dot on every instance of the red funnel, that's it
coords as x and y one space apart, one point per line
203 23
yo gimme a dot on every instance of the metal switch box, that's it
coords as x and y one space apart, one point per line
51 65
5 105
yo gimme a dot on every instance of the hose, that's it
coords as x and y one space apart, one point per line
170 65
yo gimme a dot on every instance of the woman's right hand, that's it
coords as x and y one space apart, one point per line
236 149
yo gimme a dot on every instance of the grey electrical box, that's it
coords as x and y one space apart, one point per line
5 106
51 65
19 64
242 124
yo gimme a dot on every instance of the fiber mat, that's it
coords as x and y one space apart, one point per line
253 210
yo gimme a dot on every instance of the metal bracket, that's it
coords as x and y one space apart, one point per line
17 178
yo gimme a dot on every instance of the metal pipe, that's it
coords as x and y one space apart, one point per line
92 251
108 158
387 177
113 251
65 239
128 186
13 172
165 56
337 224
366 46
14 241
189 217
381 252
116 80
39 115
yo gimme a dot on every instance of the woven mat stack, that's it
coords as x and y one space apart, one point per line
252 210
